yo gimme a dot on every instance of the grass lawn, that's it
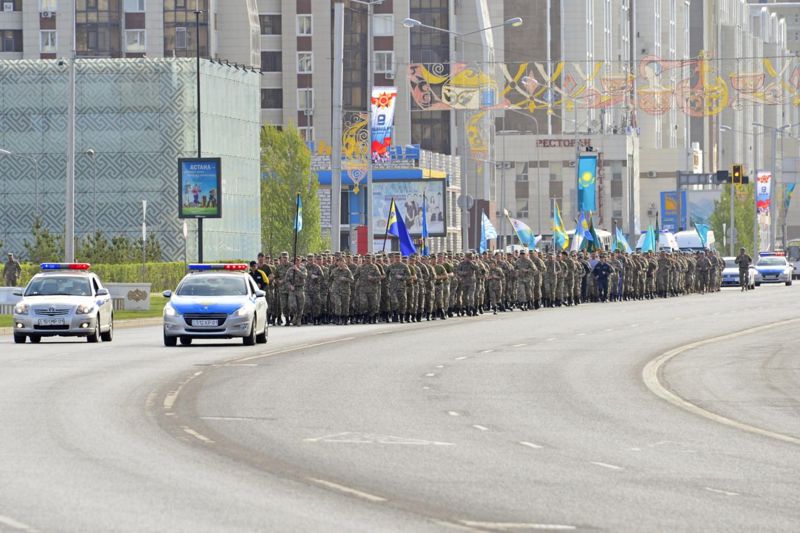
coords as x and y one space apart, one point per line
157 303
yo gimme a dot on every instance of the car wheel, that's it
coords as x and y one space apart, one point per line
108 336
170 341
789 283
19 339
35 339
758 284
261 338
250 340
95 335
186 341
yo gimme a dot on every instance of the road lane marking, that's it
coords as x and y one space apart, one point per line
518 525
487 351
172 396
347 490
13 524
453 413
430 375
480 428
530 445
293 349
581 334
634 325
230 418
720 491
439 366
551 339
426 388
651 374
198 436
349 437
606 465
609 329
461 358
519 345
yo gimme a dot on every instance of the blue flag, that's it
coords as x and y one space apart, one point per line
298 219
396 226
487 232
650 243
788 198
587 181
620 242
425 226
702 232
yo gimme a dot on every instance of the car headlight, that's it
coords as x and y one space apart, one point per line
169 310
242 311
84 309
21 309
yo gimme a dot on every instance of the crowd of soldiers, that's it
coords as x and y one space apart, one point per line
339 288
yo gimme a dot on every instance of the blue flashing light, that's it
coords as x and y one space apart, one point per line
65 266
199 267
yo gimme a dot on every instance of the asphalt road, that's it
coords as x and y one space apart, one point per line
549 420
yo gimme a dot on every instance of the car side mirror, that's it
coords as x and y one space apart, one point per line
102 292
17 293
261 294
167 294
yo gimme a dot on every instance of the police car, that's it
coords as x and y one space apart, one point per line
730 275
215 302
64 300
772 267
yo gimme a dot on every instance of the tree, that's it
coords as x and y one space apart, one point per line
46 246
95 249
743 216
286 171
122 250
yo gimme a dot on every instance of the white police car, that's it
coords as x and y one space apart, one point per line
730 275
772 267
215 302
64 300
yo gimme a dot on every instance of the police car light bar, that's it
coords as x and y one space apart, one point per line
65 266
771 254
230 267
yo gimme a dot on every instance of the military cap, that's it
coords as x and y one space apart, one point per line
284 254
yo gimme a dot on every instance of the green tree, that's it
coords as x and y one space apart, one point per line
286 171
743 216
121 249
46 246
94 249
152 250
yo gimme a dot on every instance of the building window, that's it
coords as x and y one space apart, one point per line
45 6
431 130
98 29
10 5
271 61
135 41
181 39
307 133
305 63
271 98
522 208
47 42
270 24
11 40
522 172
304 25
383 25
305 99
134 6
383 62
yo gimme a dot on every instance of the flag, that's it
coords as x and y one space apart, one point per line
582 233
592 240
788 198
524 233
487 232
650 242
397 227
560 237
702 232
298 219
587 180
425 226
620 242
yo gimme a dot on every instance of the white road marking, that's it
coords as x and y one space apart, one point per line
581 334
551 339
651 374
725 492
198 436
172 396
289 350
519 345
480 428
430 375
453 413
487 351
530 445
609 329
439 366
13 524
461 358
347 490
426 388
635 449
634 325
230 418
517 525
606 465
349 437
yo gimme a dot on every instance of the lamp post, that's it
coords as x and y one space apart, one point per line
731 224
197 13
35 162
414 23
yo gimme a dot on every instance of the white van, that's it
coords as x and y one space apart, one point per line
689 241
666 241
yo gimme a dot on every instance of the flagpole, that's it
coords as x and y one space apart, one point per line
296 215
386 233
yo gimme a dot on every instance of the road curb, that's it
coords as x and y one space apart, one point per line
118 324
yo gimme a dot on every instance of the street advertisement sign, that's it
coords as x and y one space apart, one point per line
763 191
672 207
383 104
200 187
408 196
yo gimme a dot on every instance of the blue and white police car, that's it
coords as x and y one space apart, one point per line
772 267
64 300
216 301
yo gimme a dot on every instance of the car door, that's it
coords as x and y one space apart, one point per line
261 306
104 303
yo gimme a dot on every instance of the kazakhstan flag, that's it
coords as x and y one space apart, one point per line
560 237
396 226
587 180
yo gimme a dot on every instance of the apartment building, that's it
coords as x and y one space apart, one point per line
46 29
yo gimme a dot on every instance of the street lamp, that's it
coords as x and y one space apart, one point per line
411 23
35 162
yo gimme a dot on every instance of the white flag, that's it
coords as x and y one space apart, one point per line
488 230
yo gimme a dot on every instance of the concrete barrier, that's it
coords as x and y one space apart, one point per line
135 296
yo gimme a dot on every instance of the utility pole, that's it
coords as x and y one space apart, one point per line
69 199
336 129
197 13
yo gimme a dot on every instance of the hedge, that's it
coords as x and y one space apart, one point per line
161 276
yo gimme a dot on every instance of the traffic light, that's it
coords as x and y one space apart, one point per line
737 175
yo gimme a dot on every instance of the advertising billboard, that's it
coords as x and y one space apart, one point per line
699 206
408 195
383 105
200 187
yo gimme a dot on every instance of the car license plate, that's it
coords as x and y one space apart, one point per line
204 323
51 321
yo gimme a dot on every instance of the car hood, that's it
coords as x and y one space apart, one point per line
771 269
208 304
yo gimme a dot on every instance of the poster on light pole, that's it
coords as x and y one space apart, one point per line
200 187
383 104
763 206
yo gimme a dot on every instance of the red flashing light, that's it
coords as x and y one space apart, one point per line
66 266
240 267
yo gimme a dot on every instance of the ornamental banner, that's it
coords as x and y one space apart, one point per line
383 104
763 192
587 179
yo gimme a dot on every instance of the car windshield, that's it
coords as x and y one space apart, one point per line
213 286
59 286
730 263
771 261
